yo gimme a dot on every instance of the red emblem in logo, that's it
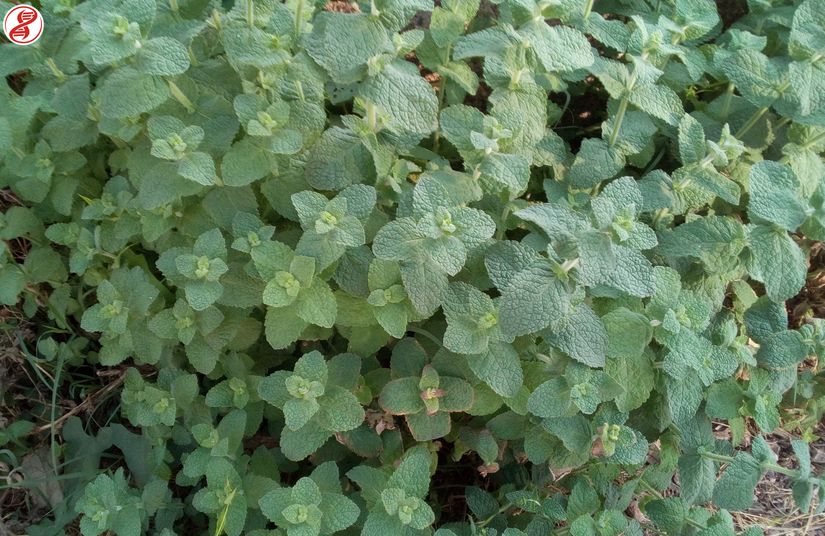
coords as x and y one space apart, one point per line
23 25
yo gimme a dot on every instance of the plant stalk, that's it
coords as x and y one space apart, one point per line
588 8
765 466
299 14
250 13
427 334
55 69
620 113
751 122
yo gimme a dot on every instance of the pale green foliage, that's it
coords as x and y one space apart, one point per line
402 240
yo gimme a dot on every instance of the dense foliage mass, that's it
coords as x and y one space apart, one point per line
390 268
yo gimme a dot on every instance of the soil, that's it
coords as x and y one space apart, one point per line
731 11
811 299
774 509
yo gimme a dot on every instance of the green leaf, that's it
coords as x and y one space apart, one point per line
499 367
764 318
734 489
129 93
659 101
754 75
697 476
782 350
472 320
336 160
633 273
163 56
198 167
283 327
532 299
343 43
634 372
582 336
773 190
244 164
550 399
776 261
683 397
669 515
202 294
413 473
558 48
340 411
408 101
401 397
628 333
317 305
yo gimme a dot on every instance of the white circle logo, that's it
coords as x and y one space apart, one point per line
23 25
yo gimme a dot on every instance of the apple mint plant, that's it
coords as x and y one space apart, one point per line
455 268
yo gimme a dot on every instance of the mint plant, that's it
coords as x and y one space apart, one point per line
410 267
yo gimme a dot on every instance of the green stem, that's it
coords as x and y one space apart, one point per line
658 215
617 124
782 122
588 8
221 522
757 115
728 100
55 69
650 489
372 120
299 14
53 429
655 162
442 89
503 227
765 466
424 332
179 96
813 141
656 493
250 13
492 517
216 20
570 264
620 113
807 145
721 458
173 5
706 161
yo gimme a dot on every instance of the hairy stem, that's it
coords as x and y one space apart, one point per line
299 14
617 124
620 113
426 333
55 69
372 119
765 466
250 13
588 8
501 510
503 223
728 99
757 115
179 96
